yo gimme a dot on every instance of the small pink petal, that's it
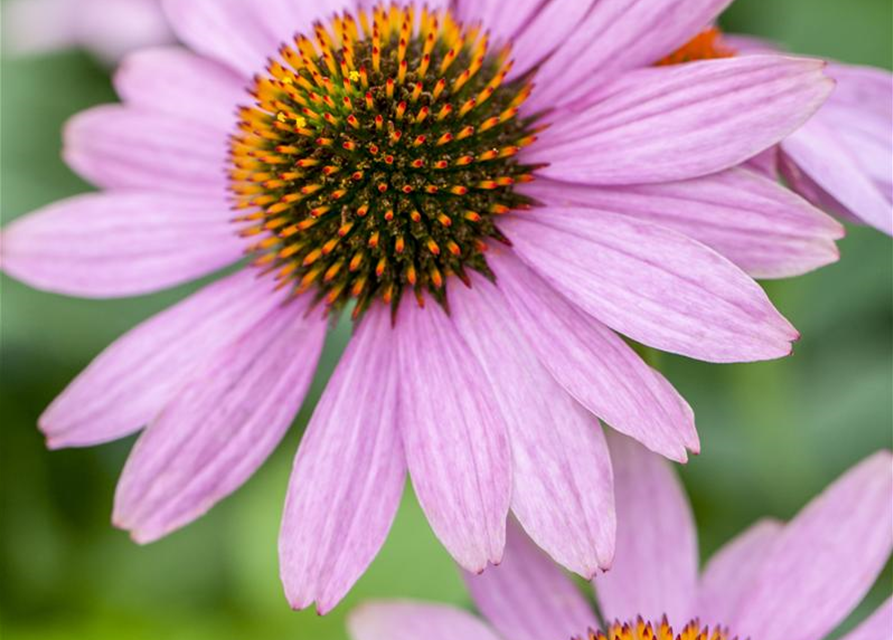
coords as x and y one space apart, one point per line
680 122
756 223
595 366
456 439
878 624
527 597
245 33
831 553
656 566
652 284
348 475
176 82
820 153
129 383
108 245
616 36
728 576
563 493
119 147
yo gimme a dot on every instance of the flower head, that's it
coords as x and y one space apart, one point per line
383 158
776 581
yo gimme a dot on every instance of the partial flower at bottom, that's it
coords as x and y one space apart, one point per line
776 581
409 164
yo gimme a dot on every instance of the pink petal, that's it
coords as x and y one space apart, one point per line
652 284
118 147
831 553
220 426
348 475
596 366
176 82
818 152
456 440
878 624
503 19
619 35
230 31
562 488
546 30
132 380
244 33
756 223
728 577
866 88
527 597
765 163
680 122
116 244
414 621
656 566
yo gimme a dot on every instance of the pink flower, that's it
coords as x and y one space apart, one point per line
401 163
842 159
776 581
108 28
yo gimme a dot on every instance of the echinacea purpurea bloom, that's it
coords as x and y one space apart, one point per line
402 160
842 158
776 581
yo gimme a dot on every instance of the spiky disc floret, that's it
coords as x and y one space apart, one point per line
642 630
378 156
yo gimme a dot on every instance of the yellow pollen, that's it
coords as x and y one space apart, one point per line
643 630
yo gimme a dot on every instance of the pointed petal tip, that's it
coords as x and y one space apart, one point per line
143 538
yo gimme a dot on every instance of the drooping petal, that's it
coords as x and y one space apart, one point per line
348 474
120 244
874 628
681 122
174 81
415 620
656 565
759 225
527 597
596 366
619 35
456 440
221 425
831 553
729 574
129 383
119 147
652 284
563 493
818 152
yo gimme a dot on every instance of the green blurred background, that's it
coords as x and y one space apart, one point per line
773 434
